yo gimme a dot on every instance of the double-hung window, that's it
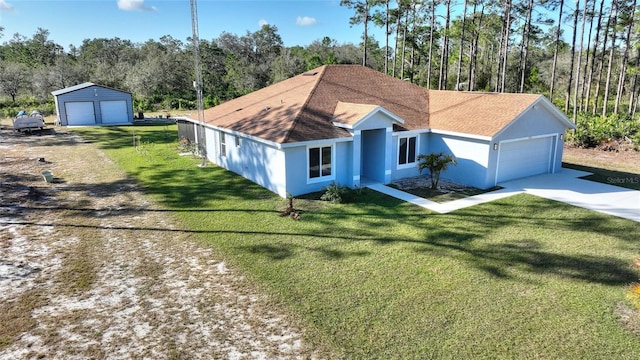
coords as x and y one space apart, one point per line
223 144
407 150
320 162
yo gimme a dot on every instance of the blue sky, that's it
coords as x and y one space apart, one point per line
299 22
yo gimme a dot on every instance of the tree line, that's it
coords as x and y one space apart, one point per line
584 55
159 73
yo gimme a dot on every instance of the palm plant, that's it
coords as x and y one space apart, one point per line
436 163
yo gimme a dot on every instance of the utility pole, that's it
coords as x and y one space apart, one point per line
197 84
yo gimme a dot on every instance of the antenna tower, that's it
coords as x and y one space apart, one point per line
197 84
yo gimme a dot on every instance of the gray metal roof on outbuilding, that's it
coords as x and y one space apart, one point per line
83 86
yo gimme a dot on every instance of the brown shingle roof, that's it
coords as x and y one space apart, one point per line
303 108
350 114
474 112
268 113
359 85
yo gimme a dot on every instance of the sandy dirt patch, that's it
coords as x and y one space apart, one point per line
627 161
91 268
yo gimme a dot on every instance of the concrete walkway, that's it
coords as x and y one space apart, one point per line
564 186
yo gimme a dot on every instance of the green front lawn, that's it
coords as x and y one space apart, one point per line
522 277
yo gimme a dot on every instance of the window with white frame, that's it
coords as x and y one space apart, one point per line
320 162
407 150
223 144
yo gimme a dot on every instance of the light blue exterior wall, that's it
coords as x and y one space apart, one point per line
409 170
471 154
373 139
372 154
538 121
94 94
297 174
253 160
378 120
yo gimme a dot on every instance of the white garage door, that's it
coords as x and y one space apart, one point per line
114 112
523 158
80 113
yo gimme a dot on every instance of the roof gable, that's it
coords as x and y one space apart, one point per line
476 113
80 87
72 88
351 116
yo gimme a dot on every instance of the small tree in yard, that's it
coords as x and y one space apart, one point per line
436 163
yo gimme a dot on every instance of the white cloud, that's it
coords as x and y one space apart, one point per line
305 21
5 6
133 5
263 22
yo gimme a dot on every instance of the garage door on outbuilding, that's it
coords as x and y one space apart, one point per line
91 104
525 157
114 111
80 113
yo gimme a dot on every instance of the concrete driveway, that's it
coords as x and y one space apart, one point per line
565 186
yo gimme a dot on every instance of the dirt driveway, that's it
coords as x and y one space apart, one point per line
91 268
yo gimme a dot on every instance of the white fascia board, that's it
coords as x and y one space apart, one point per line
342 125
316 142
554 109
267 142
393 116
237 133
410 132
459 134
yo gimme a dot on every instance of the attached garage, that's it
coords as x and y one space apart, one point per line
91 104
525 157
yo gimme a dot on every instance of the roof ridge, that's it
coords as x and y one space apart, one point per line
321 71
256 102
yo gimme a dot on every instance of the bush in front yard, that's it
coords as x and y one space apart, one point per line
333 193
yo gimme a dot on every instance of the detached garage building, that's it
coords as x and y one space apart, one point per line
91 104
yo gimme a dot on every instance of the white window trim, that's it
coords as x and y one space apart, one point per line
223 144
415 161
321 178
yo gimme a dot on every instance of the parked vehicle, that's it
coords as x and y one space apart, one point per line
31 122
